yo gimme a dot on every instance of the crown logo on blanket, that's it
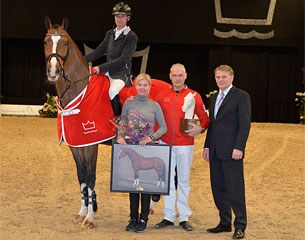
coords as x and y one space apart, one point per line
88 125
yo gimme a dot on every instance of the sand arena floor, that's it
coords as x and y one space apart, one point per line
40 193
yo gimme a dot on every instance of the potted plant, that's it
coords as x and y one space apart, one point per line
49 108
208 96
300 103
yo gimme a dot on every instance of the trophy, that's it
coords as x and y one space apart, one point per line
189 109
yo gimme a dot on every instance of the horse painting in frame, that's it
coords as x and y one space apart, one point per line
140 169
139 162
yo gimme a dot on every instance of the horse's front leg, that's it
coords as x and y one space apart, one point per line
90 154
85 159
88 220
84 202
81 174
136 181
160 182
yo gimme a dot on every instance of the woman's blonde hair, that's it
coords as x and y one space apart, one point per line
143 76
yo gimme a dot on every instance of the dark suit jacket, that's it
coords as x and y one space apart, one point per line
230 129
119 54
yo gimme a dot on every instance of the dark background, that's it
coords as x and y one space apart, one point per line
177 31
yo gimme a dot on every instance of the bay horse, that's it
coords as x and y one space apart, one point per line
67 68
139 162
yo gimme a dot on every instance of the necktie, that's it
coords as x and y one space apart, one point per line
220 99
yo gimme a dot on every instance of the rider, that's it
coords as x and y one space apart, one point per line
118 45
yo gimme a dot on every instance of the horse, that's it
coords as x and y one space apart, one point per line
68 70
140 162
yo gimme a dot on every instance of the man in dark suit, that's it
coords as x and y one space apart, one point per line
230 121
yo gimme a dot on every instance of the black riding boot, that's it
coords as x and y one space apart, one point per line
116 105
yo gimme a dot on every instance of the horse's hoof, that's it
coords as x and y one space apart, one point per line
90 225
79 219
87 225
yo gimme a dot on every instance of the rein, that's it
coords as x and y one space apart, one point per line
72 82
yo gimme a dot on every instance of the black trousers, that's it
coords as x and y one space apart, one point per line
134 205
228 187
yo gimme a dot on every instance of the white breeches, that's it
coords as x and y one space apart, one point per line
182 158
115 87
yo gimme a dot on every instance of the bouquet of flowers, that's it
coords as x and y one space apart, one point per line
132 126
49 108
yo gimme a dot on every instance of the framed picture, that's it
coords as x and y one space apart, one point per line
140 169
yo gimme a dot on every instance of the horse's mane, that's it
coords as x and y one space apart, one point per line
56 26
131 150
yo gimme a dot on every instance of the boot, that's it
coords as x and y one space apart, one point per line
93 201
132 226
142 226
85 195
116 105
155 197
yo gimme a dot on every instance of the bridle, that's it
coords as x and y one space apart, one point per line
61 67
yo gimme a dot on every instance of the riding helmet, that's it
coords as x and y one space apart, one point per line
121 8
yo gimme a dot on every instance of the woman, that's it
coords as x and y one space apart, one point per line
152 113
118 44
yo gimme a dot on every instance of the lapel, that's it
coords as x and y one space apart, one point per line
110 41
123 34
227 99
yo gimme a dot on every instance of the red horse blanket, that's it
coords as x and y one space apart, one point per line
85 120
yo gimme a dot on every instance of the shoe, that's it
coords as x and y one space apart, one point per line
239 234
220 228
142 226
155 197
186 225
164 223
131 227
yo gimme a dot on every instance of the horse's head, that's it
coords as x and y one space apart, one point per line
56 48
65 63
